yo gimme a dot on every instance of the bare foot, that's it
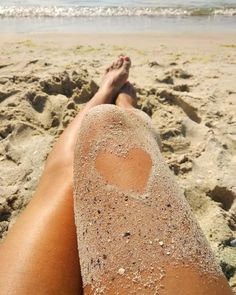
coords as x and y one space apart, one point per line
114 78
127 96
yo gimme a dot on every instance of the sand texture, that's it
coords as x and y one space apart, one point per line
186 84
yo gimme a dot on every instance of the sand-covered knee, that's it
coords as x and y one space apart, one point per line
128 172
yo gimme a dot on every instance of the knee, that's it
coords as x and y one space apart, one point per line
112 122
60 161
112 118
105 115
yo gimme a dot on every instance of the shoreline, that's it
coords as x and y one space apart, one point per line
125 38
120 24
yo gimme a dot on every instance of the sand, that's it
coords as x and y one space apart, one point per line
186 83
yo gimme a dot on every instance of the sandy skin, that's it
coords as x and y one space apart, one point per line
127 188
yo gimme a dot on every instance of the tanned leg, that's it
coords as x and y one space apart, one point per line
39 254
136 232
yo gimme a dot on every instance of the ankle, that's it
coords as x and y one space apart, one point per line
104 95
125 102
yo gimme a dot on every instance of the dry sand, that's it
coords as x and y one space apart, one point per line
185 83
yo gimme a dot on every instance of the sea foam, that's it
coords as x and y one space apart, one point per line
78 11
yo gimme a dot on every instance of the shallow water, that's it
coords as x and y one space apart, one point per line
117 16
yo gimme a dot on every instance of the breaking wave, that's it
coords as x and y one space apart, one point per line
78 11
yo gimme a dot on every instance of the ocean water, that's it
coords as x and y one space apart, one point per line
117 16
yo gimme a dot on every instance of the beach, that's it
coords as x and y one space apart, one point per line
185 81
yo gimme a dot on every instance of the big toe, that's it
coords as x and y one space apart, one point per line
126 63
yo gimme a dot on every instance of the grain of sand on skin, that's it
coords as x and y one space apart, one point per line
126 234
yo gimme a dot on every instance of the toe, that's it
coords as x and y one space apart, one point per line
109 68
126 63
120 62
113 65
116 64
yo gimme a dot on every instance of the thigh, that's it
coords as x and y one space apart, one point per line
136 232
39 254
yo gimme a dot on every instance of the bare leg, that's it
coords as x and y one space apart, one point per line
136 233
127 97
39 254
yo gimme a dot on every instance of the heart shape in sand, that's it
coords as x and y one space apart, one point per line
130 172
